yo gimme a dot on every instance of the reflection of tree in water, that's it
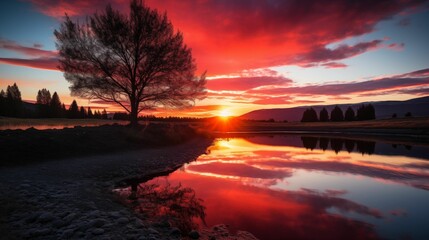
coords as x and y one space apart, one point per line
164 201
364 147
309 142
323 143
349 145
336 144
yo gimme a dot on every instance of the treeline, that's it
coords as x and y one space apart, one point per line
126 116
364 112
47 106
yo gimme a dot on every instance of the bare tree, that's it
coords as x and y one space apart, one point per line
135 60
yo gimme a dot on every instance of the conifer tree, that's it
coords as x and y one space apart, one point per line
337 114
90 114
55 108
73 111
82 113
324 115
349 115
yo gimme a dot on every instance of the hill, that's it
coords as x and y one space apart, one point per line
418 107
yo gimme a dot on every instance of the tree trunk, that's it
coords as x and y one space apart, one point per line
134 117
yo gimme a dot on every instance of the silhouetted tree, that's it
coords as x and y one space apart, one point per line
43 99
370 111
337 114
309 115
323 115
90 114
55 108
2 102
365 112
73 111
63 110
394 115
82 112
349 115
408 114
13 101
104 114
136 61
97 114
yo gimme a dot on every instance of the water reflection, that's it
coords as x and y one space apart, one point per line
165 202
338 144
308 187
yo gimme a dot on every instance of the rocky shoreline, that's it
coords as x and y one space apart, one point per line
72 198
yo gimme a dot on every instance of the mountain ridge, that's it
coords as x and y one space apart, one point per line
418 107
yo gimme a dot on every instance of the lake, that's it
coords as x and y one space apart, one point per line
297 187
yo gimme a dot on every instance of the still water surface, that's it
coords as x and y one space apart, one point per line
298 187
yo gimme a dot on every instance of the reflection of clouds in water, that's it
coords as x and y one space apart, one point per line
274 213
239 170
277 162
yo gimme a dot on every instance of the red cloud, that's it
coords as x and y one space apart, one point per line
245 83
229 36
30 51
334 65
273 100
41 63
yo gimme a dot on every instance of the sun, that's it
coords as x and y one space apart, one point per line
225 113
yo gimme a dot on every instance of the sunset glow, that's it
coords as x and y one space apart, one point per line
257 54
225 113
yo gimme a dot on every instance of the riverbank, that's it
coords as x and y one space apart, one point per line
72 198
29 146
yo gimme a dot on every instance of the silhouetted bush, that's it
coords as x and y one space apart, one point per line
408 114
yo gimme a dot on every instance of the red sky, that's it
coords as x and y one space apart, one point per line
264 54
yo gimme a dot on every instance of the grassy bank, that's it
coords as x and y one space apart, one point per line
32 145
49 123
412 125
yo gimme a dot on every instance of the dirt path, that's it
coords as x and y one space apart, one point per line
72 199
